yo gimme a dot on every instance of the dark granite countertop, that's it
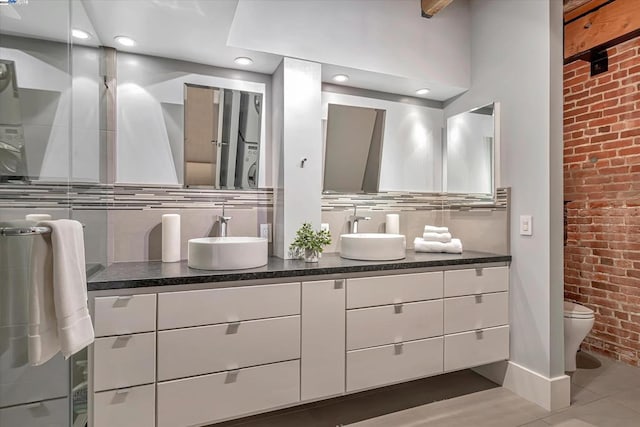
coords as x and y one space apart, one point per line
155 273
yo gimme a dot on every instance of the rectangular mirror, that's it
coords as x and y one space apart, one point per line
381 145
470 151
222 129
353 149
174 139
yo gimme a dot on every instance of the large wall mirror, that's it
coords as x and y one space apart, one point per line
193 124
471 151
377 145
353 149
222 130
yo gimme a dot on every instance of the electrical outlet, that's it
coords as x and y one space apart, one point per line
526 225
265 232
324 226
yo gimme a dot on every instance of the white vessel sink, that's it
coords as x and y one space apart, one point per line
373 246
227 253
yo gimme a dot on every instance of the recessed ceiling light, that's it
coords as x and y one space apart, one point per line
125 41
79 34
243 60
340 78
423 91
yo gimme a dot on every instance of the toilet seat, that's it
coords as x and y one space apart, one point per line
577 311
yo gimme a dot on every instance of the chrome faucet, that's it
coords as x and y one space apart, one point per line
224 223
353 219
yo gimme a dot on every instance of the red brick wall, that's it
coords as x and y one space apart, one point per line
602 198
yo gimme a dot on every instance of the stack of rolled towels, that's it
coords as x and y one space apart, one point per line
437 239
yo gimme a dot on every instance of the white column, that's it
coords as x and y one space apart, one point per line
297 135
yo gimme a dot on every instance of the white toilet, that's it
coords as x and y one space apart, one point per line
578 321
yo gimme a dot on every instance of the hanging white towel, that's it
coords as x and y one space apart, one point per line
58 314
434 229
437 237
453 247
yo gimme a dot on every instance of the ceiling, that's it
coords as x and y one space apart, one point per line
189 30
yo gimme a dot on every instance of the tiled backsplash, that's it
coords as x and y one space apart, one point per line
128 217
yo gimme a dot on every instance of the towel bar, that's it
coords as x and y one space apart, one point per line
25 231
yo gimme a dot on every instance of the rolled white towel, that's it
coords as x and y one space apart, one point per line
437 237
452 247
433 229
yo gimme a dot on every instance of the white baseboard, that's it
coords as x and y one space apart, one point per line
550 393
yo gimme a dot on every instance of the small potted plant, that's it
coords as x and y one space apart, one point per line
309 243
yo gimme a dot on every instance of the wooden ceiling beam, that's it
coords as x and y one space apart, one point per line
431 7
577 9
610 24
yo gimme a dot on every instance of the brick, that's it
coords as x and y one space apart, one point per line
600 88
604 137
628 133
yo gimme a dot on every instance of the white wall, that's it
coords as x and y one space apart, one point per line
469 153
146 142
297 135
411 146
517 60
387 37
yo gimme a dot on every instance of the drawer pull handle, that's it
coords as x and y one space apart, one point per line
35 405
232 328
478 298
122 391
338 284
479 333
397 308
121 341
479 271
397 347
122 301
232 376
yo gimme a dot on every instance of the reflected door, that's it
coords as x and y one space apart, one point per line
202 138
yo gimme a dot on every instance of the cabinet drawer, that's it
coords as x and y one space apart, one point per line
207 349
388 364
207 307
124 315
387 324
210 398
475 281
49 413
475 312
470 349
21 382
130 407
124 361
381 290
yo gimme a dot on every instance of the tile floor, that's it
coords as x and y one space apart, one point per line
604 393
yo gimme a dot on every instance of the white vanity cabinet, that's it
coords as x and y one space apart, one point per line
389 319
476 317
122 359
223 353
197 357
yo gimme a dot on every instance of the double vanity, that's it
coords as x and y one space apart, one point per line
177 346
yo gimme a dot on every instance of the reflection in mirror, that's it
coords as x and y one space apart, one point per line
470 151
221 137
13 164
406 154
353 151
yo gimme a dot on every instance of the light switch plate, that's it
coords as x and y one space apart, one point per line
526 225
265 232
